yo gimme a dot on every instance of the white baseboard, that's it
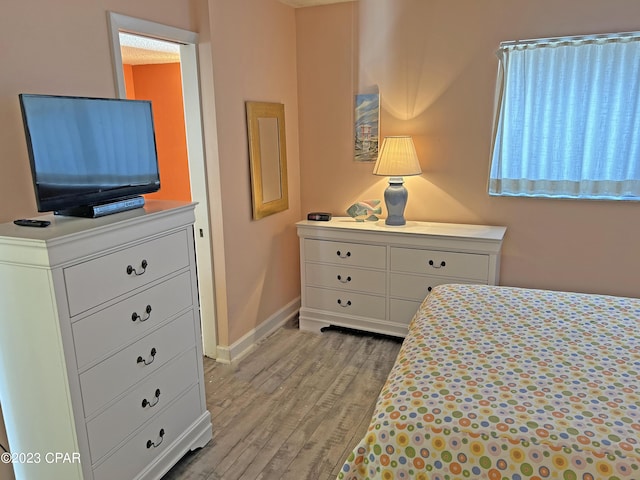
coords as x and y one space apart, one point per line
248 342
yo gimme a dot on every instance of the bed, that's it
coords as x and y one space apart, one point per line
507 383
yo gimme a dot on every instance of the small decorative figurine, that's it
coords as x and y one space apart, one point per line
365 210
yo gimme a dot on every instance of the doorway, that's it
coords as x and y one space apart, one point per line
186 43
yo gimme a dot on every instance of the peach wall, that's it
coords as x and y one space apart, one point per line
63 48
162 84
254 58
57 48
434 65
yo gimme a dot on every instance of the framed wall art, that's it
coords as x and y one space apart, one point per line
366 127
268 158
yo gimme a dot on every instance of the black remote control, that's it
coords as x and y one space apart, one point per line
26 222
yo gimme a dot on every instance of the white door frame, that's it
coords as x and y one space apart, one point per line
195 147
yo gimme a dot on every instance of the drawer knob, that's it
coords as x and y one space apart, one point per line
429 289
153 357
135 316
345 255
146 403
143 266
442 264
154 444
345 304
347 280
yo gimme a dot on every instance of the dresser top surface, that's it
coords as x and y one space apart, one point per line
62 226
483 232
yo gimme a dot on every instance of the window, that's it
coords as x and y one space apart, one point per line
567 120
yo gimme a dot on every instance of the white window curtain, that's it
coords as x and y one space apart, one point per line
567 120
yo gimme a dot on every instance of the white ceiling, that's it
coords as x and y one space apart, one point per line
138 50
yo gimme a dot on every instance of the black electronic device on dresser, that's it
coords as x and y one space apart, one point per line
319 216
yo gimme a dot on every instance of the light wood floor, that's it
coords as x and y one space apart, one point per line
292 409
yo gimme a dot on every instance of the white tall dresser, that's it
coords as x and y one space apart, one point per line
101 374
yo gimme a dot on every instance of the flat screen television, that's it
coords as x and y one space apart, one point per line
90 156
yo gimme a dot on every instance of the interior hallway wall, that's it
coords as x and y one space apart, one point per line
254 57
162 85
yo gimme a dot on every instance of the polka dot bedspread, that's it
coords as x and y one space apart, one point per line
505 383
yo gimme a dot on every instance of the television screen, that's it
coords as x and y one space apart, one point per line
88 151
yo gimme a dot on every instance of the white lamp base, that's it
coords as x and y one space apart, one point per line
395 197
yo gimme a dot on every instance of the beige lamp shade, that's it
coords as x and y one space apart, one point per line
397 158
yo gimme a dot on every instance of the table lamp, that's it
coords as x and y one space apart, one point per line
397 159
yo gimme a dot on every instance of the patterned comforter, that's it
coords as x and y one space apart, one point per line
505 383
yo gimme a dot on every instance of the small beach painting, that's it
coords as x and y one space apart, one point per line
367 121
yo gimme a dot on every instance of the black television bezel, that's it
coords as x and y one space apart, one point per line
74 199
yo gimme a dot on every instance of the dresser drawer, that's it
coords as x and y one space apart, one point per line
445 264
96 281
105 381
402 311
345 278
346 303
124 417
130 459
103 332
381 275
343 253
416 287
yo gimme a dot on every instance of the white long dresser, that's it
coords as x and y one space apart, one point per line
101 374
368 276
